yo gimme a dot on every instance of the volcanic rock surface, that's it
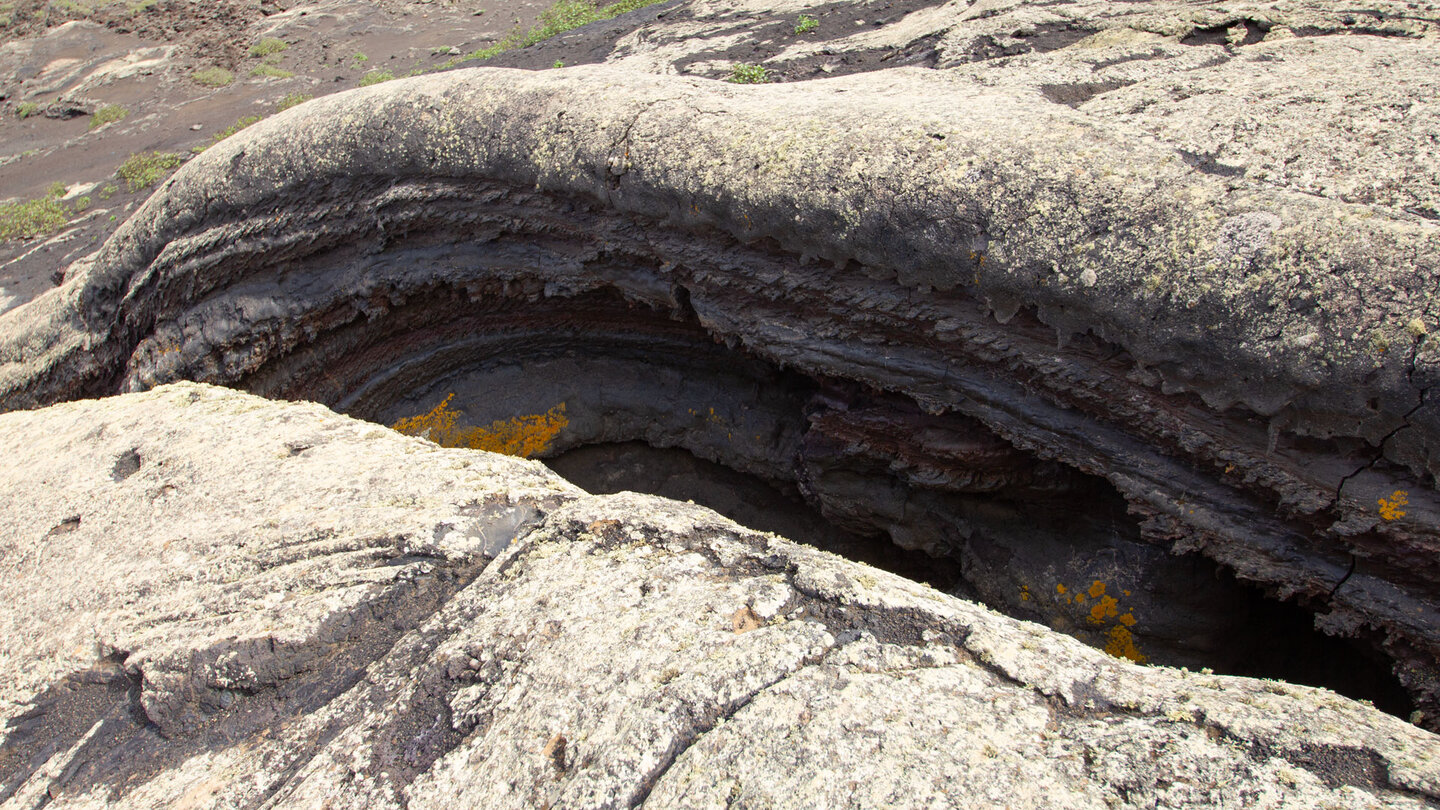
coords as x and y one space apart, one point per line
1123 310
216 600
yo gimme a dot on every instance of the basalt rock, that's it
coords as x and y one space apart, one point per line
1079 289
217 600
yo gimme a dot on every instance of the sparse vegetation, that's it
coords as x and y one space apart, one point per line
749 74
38 217
213 77
145 169
228 131
268 46
270 72
565 15
806 24
558 64
376 77
27 109
293 99
107 114
358 58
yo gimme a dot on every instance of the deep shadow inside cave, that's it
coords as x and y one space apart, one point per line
623 397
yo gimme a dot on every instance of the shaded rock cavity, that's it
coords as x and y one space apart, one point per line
619 396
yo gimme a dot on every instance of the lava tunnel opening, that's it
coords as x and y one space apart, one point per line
618 396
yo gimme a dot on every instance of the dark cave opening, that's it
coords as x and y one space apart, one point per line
631 398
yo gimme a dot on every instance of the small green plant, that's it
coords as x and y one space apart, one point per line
145 169
228 131
749 74
358 58
109 191
213 77
108 114
564 15
376 77
558 64
31 218
806 24
268 46
270 72
27 109
292 100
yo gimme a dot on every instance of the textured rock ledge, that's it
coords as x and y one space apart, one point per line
218 600
1238 346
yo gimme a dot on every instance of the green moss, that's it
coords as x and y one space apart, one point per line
213 77
749 74
293 99
268 46
376 77
806 24
145 169
107 114
27 109
39 217
270 72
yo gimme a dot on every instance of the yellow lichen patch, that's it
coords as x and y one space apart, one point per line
524 436
435 425
1025 593
1104 608
1120 643
1391 509
1101 610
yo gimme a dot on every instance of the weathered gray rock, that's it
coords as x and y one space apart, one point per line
1146 242
253 604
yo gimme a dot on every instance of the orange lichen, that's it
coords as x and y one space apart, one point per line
1121 644
1104 608
1101 610
524 436
1390 510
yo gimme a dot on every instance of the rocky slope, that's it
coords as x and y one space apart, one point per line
215 600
